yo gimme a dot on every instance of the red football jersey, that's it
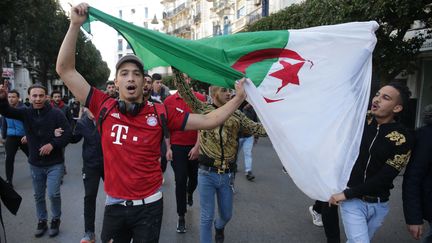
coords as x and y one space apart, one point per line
187 138
131 146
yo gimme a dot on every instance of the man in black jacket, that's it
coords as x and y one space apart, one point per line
384 151
417 184
46 151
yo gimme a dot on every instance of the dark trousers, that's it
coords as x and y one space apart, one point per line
140 223
186 175
91 178
330 219
11 147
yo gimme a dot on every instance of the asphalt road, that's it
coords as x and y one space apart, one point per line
270 209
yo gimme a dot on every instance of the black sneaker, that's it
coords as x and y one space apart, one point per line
54 229
250 176
189 200
41 228
219 236
181 225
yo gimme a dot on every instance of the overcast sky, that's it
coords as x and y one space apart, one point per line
104 37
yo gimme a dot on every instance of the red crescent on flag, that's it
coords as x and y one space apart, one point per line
257 56
288 74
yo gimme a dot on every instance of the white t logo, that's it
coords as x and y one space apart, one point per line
118 134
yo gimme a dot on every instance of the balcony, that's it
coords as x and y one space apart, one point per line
222 7
169 14
186 28
254 16
239 24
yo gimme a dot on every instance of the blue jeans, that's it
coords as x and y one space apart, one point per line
246 144
47 177
362 219
209 185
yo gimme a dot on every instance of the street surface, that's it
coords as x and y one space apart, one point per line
271 209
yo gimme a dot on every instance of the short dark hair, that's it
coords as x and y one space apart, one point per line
14 91
404 92
156 76
146 75
37 86
109 82
55 92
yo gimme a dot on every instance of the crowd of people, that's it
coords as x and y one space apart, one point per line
134 128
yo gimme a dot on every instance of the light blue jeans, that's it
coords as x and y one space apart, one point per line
47 177
362 219
209 185
246 144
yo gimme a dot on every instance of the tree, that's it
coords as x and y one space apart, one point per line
35 29
89 63
393 53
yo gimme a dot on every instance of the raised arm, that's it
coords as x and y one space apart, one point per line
65 66
185 92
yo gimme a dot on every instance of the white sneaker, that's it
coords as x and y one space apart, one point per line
316 217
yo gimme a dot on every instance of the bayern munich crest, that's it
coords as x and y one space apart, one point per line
152 121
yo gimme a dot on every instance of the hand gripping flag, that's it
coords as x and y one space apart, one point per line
310 88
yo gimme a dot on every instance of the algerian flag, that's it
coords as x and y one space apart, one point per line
310 88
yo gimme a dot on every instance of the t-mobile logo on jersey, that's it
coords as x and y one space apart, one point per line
119 132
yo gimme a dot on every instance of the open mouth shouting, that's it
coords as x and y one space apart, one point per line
131 88
374 107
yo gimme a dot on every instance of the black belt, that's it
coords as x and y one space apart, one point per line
371 199
215 169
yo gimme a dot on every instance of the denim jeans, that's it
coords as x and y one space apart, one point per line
246 144
362 219
47 177
209 185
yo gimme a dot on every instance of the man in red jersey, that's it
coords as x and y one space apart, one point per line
131 136
185 151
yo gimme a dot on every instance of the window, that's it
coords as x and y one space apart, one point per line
120 45
120 14
133 11
241 12
120 56
145 24
128 47
146 12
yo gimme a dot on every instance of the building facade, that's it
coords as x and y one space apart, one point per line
197 19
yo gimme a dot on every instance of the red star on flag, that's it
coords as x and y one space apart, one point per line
288 74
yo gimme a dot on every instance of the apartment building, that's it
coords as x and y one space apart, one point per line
196 19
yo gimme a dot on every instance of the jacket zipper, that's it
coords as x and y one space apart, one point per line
370 147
